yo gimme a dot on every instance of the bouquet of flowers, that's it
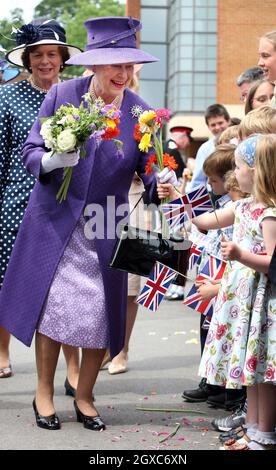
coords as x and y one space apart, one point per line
69 129
148 132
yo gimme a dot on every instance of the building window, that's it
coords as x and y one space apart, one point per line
192 54
154 40
183 35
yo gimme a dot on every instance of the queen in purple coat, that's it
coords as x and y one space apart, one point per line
58 281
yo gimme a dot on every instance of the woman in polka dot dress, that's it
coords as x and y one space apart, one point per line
39 51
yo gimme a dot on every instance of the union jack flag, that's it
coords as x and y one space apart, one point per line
195 252
175 213
156 286
190 205
198 202
213 270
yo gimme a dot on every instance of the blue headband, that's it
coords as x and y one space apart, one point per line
246 150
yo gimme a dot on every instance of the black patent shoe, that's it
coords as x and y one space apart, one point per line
71 391
46 422
94 423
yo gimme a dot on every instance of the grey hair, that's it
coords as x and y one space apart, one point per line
250 75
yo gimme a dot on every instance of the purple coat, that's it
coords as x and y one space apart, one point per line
47 225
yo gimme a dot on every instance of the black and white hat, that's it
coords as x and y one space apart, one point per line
48 32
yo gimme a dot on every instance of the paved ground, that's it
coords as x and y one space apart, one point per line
163 361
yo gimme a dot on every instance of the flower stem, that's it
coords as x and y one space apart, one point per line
171 434
165 230
158 150
63 190
171 410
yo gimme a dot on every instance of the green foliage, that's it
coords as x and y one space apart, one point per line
55 9
7 39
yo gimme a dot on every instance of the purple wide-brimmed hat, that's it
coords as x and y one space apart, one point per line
46 33
110 41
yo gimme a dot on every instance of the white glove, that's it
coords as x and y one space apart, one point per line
50 161
167 176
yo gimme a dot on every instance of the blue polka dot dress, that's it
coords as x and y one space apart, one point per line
19 106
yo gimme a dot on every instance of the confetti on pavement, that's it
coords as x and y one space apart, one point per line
192 341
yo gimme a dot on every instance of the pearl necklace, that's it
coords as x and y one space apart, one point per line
31 81
94 97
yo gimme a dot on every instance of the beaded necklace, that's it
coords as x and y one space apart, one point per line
116 100
36 87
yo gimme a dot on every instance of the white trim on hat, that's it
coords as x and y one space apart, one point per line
15 55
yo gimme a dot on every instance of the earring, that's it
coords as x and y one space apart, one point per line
61 67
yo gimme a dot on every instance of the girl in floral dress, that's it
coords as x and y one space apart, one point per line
241 345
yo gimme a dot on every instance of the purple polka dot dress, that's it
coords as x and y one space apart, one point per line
74 312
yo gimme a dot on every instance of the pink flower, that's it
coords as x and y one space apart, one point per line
220 331
257 213
162 114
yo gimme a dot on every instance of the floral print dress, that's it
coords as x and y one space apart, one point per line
240 347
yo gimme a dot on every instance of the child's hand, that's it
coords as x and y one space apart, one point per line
230 251
206 290
187 174
166 190
204 281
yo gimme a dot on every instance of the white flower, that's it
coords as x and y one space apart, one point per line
136 110
66 141
46 133
63 120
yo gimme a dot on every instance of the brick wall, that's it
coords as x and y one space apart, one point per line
240 25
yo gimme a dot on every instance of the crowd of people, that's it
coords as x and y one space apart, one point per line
43 242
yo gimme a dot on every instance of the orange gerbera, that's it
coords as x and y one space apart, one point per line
110 133
137 134
169 161
150 165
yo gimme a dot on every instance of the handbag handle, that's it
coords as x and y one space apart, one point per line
137 202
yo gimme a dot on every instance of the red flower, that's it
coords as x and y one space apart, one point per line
150 165
137 134
270 373
220 331
169 161
110 133
251 364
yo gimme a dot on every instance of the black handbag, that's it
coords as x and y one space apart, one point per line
137 250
